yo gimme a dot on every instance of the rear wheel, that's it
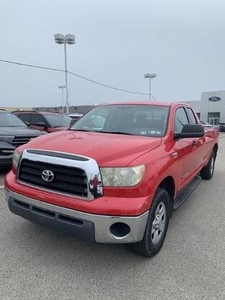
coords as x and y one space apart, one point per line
156 228
208 170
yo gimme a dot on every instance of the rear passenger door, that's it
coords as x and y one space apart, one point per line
186 150
201 143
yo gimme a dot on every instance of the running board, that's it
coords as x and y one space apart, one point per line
185 193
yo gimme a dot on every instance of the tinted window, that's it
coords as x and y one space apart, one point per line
25 118
10 120
180 119
191 116
147 120
35 119
58 120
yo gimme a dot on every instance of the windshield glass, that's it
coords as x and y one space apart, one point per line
10 120
145 120
58 120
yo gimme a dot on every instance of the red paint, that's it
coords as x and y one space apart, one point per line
125 150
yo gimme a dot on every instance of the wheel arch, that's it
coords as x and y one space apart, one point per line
168 184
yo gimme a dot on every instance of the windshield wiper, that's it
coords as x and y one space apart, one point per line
85 130
101 131
114 132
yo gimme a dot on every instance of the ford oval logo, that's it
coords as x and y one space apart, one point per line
47 175
214 99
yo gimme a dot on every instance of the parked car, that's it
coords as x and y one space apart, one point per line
13 133
206 125
222 127
75 117
45 121
116 175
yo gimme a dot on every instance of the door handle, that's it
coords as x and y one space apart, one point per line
194 143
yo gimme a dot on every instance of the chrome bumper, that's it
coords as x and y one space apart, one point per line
100 228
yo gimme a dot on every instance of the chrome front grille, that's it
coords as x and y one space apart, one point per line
67 179
21 140
61 173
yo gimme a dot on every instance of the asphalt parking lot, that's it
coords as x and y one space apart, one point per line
38 263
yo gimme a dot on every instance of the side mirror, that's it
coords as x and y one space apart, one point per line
190 131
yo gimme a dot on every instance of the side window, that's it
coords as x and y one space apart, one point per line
25 118
180 119
35 119
191 116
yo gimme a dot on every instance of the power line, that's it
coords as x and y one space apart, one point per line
74 74
106 85
30 66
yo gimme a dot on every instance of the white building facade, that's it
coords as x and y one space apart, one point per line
211 107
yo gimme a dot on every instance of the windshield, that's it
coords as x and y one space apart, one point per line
145 120
58 120
10 120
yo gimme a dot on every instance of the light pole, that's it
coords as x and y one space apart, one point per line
62 87
150 76
65 39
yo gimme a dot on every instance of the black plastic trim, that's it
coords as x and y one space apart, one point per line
67 225
185 193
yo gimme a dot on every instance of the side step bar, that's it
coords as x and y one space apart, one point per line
185 193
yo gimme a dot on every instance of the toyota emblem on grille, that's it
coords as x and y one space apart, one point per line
47 175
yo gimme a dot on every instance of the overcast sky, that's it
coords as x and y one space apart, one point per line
117 42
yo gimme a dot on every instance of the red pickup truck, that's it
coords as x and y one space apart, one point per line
117 175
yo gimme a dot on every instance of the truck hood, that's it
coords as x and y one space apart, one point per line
106 149
19 131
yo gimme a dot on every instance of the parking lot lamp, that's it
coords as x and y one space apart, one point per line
70 40
62 87
150 76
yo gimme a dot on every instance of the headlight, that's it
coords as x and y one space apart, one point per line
15 159
6 138
127 176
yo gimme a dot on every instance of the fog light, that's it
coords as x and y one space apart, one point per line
119 230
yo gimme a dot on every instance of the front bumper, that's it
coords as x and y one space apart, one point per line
5 161
98 228
6 152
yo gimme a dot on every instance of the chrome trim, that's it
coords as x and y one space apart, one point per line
89 166
47 175
175 155
102 223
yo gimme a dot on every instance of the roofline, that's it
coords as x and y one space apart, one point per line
37 111
154 103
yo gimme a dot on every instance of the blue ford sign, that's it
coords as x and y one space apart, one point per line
214 99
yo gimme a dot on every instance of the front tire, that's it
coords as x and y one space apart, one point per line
208 170
156 228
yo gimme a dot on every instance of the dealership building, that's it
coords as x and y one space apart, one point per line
211 107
